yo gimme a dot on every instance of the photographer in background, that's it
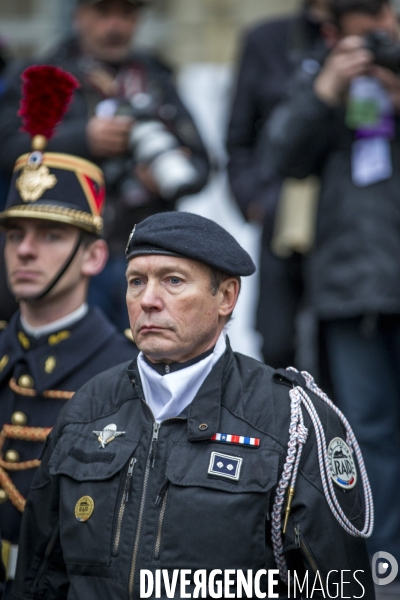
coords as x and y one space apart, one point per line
128 118
342 123
271 51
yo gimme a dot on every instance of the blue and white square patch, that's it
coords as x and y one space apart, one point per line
224 465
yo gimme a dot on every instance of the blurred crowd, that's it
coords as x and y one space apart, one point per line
314 158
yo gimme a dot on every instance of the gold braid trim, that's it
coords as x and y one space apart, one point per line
54 394
20 390
17 432
21 466
51 212
16 498
28 434
58 394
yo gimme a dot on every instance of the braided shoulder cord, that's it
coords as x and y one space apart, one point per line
297 438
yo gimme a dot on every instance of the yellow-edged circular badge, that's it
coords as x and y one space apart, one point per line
84 508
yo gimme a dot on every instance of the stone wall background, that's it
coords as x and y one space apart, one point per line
185 31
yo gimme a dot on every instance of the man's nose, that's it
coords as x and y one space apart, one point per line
27 246
116 25
151 298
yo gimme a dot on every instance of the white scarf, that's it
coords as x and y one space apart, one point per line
167 395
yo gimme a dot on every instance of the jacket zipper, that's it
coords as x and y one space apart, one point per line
156 430
124 500
161 498
151 457
47 553
301 543
150 461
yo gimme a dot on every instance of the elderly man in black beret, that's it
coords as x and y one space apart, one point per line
194 471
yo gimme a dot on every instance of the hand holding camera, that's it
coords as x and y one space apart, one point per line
349 59
109 137
376 54
123 126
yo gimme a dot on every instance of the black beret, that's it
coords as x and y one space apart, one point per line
190 236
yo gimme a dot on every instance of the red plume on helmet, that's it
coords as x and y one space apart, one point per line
52 185
46 94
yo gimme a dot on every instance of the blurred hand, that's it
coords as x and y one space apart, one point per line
145 176
391 82
348 59
143 173
108 137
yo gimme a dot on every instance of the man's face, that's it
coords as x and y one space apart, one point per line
34 253
357 23
106 29
172 312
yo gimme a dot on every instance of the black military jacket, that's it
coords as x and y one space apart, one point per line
37 376
152 502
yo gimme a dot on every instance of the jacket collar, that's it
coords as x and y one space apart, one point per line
203 414
206 406
86 337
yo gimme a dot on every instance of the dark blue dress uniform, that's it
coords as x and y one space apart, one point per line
37 377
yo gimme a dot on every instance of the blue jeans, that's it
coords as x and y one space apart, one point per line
108 291
365 371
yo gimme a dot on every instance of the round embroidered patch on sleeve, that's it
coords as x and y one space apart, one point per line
342 466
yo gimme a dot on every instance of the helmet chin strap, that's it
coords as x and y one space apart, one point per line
58 275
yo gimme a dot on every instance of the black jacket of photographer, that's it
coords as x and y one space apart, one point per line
271 52
156 506
128 201
354 268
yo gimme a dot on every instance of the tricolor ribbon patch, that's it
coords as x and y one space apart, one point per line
229 438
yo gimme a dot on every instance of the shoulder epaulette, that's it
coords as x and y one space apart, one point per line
289 378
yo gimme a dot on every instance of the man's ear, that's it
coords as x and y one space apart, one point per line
94 258
228 293
330 33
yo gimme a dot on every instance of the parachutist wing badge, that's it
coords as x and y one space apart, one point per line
108 434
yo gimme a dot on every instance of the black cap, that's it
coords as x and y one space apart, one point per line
190 236
56 187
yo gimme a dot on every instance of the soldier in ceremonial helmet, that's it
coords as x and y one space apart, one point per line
55 342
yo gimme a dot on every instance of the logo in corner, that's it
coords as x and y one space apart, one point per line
380 568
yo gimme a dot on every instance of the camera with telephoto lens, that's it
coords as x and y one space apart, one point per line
386 52
153 144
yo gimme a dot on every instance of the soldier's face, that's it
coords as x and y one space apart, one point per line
173 314
35 251
106 29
